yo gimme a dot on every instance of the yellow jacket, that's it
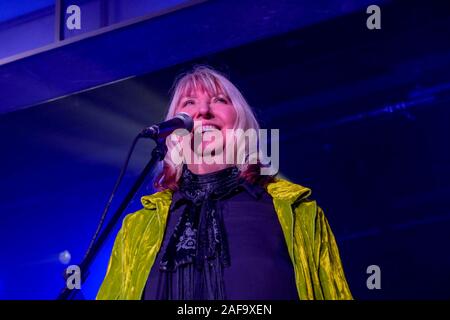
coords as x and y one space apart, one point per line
310 242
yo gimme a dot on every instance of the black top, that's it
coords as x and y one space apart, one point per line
223 240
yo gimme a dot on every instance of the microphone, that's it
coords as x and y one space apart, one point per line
161 130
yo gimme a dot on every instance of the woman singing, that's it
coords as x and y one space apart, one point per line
221 230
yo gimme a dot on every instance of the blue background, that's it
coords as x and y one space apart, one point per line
363 116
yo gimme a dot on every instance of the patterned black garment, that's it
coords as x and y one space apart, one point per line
198 246
222 241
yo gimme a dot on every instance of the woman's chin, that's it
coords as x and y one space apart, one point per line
209 150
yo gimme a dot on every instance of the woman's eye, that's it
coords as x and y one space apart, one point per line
221 100
188 102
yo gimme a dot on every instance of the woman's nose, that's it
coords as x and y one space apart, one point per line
204 109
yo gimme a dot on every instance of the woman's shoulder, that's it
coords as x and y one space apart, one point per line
150 203
285 190
298 198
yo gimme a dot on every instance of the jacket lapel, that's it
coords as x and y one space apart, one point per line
284 195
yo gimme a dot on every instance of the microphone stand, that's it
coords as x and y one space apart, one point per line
158 154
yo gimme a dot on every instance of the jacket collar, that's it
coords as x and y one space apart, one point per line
284 193
285 190
280 189
151 201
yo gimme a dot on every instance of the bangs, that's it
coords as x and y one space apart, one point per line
199 80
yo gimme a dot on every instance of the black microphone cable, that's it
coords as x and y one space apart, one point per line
111 197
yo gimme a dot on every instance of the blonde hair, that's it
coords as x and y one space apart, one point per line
214 83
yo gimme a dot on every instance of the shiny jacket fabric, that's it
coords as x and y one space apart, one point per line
310 242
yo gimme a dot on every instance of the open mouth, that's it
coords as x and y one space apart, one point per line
209 128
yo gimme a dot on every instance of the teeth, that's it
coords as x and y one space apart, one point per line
209 128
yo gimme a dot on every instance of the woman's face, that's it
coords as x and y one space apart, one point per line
209 113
